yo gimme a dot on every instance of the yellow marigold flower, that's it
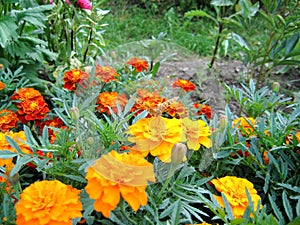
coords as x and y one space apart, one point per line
156 135
2 85
116 174
8 119
47 203
186 85
197 132
106 73
245 124
108 100
234 189
19 138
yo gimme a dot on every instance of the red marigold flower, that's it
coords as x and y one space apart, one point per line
55 122
8 119
138 64
2 85
203 110
106 73
48 202
108 100
186 85
31 105
73 77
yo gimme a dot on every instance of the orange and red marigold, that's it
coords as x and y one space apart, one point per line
186 85
106 73
2 85
138 64
108 100
47 203
8 120
74 77
234 189
119 174
31 104
203 110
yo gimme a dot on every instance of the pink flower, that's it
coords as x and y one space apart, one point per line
84 4
68 2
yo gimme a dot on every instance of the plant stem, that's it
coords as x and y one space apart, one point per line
88 45
216 45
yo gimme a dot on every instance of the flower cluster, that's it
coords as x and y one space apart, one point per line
158 135
31 105
234 189
8 120
115 175
48 202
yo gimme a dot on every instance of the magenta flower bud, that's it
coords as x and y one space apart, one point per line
84 4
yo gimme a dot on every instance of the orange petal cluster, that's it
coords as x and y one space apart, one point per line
246 124
119 174
108 100
55 122
19 138
48 202
203 110
74 77
31 104
186 85
106 73
2 85
138 64
8 119
234 189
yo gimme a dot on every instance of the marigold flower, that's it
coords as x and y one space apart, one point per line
234 189
48 202
84 4
186 85
203 110
155 135
106 73
19 138
177 110
2 85
116 174
108 100
204 223
73 77
198 133
55 122
25 94
8 119
245 124
138 64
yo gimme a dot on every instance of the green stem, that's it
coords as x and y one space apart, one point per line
165 185
216 45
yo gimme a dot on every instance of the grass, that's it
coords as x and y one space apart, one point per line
134 24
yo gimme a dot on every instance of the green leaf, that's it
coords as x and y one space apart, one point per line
287 206
291 43
6 154
175 217
219 3
8 29
200 13
296 221
76 178
276 210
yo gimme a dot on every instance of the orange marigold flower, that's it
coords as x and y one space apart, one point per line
8 119
55 122
234 189
197 132
19 138
156 135
176 109
116 174
246 125
73 77
2 85
108 100
203 110
106 73
186 85
138 64
204 223
48 202
25 94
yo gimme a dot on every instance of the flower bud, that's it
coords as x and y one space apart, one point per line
74 111
178 153
275 87
90 141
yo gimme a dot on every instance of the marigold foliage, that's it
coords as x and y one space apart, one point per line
115 175
48 202
234 189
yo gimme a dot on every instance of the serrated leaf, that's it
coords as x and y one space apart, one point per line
8 29
276 210
287 206
200 13
219 3
6 154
